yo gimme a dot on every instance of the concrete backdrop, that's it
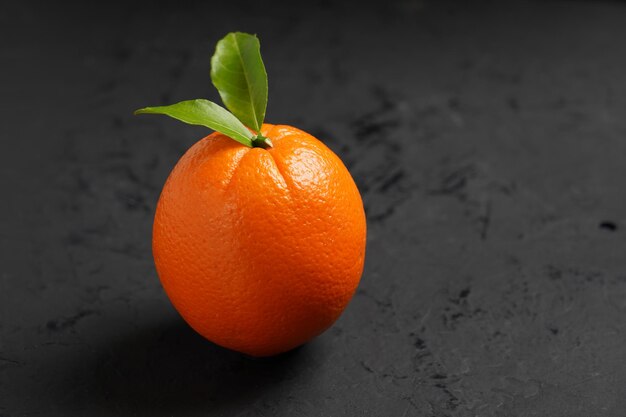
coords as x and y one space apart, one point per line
488 140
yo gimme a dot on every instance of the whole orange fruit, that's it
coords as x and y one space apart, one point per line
260 250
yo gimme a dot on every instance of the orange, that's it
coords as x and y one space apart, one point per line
260 250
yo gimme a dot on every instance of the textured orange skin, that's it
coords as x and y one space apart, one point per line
260 250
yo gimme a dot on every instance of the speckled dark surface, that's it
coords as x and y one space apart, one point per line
489 143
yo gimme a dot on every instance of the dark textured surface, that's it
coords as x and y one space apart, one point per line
489 143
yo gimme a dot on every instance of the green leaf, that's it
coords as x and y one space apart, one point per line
238 73
205 113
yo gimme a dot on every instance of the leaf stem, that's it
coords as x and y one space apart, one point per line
261 142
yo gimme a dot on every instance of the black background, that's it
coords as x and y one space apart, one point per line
487 139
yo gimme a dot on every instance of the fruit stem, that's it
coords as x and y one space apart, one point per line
261 142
